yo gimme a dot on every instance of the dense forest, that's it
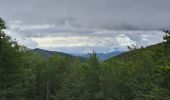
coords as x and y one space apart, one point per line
140 74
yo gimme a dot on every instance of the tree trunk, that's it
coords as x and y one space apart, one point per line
47 90
4 91
35 90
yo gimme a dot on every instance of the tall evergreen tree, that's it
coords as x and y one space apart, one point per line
2 24
167 36
10 66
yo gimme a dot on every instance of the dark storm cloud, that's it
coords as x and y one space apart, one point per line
100 14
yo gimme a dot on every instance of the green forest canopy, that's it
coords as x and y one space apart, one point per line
140 74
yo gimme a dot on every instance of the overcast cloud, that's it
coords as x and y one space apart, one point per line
84 25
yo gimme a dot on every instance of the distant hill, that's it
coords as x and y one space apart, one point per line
104 56
48 54
135 55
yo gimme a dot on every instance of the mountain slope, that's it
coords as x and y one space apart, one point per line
48 54
157 52
104 56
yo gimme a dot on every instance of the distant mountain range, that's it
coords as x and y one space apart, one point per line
48 54
102 56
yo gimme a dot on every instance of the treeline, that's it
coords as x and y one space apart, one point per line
141 74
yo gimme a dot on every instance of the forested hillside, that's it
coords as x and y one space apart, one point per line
144 72
104 56
48 54
140 74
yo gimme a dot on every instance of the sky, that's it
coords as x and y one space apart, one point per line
81 26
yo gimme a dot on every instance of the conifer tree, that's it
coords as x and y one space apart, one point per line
167 36
10 66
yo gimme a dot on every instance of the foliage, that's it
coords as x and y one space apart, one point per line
140 74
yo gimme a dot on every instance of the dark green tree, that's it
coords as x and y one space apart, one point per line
11 70
167 36
2 24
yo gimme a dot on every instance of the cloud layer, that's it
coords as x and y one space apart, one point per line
69 25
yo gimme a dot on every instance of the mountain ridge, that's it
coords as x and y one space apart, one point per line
101 56
47 53
104 56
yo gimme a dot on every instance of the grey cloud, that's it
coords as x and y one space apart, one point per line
141 19
145 38
100 14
